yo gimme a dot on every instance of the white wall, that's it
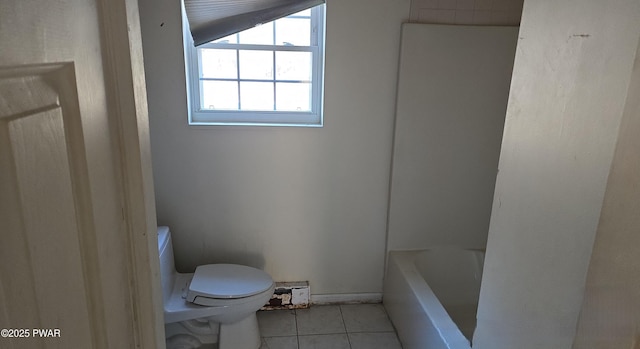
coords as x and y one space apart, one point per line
474 12
571 75
610 316
302 203
452 97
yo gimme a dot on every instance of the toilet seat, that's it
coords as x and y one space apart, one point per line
226 284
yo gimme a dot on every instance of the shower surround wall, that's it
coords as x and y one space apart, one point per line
452 97
570 89
610 315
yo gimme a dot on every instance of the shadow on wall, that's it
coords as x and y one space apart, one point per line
230 257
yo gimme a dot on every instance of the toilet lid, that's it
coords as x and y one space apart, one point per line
227 281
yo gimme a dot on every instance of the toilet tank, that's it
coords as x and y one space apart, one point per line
167 265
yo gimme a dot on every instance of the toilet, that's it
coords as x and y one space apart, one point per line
215 304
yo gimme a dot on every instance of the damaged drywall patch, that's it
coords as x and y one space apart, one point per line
289 295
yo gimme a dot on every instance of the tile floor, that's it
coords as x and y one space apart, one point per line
357 326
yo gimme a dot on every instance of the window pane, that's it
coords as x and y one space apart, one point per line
293 96
293 31
219 63
256 65
263 75
293 65
256 95
260 35
219 95
305 13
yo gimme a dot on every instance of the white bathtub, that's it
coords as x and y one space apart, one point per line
432 295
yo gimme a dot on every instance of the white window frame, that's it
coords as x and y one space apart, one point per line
313 118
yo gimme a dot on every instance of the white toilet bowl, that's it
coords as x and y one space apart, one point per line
217 303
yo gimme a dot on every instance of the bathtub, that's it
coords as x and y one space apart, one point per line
431 296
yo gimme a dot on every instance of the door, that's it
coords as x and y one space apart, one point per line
77 248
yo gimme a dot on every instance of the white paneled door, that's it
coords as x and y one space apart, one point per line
77 251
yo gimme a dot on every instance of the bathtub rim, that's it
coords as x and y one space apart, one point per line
448 330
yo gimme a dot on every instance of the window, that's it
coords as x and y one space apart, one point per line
267 75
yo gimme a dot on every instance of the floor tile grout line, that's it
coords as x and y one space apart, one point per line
368 331
295 314
344 331
344 324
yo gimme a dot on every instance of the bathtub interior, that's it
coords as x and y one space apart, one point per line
454 275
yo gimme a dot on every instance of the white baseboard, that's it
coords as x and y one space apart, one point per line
346 298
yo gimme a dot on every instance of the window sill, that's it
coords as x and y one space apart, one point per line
207 118
212 123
